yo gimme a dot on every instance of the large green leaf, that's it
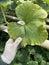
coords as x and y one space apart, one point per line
33 31
29 11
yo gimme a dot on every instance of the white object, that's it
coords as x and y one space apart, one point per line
3 28
21 22
45 44
10 50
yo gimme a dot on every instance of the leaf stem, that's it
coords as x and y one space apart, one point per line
47 20
47 27
4 15
12 17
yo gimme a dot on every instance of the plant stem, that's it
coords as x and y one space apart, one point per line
4 15
47 20
12 17
45 44
47 27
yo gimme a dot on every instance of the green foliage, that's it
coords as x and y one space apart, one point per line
32 63
43 63
47 1
47 63
3 38
43 3
25 57
5 3
1 16
33 13
34 25
38 57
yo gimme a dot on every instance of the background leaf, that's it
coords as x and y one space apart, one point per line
1 16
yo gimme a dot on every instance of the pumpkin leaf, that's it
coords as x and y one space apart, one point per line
33 31
32 34
29 11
